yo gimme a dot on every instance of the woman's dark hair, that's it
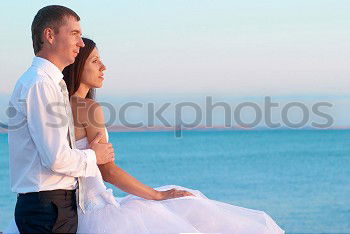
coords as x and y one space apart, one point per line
72 73
53 17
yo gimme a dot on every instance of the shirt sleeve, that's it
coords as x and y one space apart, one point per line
48 127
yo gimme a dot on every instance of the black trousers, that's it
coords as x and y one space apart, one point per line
47 212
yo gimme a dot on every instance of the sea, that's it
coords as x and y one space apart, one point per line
301 178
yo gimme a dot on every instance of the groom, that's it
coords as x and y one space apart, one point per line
44 164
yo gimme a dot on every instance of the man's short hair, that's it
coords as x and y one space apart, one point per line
53 17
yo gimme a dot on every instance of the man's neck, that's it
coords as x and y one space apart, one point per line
52 59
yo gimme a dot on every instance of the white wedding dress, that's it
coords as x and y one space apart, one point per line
105 213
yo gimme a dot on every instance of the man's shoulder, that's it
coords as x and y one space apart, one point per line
31 77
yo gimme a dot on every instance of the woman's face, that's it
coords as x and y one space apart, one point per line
92 75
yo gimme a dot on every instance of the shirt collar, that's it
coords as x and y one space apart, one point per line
49 68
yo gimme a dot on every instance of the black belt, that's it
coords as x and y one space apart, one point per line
51 193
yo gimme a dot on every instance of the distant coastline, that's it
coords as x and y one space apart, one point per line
116 128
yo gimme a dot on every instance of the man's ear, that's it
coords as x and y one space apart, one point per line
48 35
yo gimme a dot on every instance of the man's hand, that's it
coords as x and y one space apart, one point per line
172 193
104 151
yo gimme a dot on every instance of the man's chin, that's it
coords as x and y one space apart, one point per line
71 61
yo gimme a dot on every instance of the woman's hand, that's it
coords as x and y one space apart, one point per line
172 193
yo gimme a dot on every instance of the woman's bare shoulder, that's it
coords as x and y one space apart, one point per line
85 110
83 105
89 111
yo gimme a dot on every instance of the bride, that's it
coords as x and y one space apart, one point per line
166 209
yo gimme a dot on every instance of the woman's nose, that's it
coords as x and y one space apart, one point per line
103 67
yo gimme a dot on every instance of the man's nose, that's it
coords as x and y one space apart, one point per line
81 42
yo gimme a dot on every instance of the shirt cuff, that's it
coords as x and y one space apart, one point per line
91 165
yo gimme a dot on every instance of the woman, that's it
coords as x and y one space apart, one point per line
153 213
167 209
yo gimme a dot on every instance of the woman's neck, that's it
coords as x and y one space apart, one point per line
82 91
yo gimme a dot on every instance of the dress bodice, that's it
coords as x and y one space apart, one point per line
83 143
96 193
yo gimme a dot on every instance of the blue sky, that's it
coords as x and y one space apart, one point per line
201 47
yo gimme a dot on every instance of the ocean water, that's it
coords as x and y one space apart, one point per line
300 178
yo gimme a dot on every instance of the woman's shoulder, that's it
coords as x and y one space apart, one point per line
89 101
88 111
86 108
83 104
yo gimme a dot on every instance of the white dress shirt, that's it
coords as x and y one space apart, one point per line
40 156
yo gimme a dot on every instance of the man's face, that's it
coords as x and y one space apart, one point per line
68 41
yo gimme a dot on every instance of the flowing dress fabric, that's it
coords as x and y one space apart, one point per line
105 213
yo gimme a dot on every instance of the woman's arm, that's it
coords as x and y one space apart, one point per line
113 174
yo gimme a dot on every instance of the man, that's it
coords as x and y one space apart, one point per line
44 164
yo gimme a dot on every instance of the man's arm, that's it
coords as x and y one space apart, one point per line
48 126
